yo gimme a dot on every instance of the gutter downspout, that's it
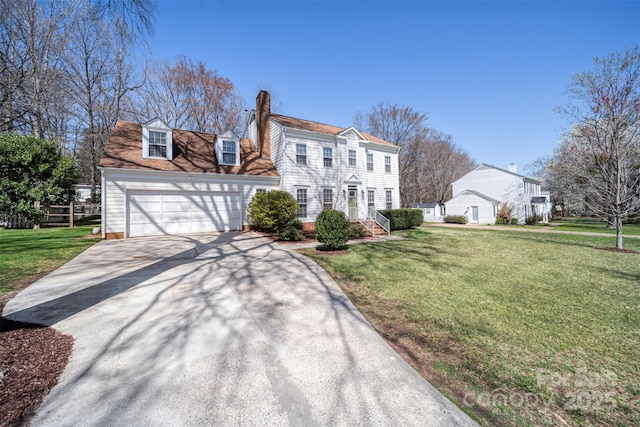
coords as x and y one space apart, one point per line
103 198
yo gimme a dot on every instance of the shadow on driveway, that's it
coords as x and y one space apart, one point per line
218 329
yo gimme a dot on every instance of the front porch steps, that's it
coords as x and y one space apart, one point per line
369 224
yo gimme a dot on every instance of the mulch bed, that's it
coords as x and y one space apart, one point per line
32 357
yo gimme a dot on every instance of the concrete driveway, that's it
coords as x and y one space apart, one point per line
218 329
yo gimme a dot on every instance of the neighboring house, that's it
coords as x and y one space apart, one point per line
158 180
433 212
478 195
83 192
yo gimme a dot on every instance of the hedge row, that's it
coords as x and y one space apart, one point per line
403 218
455 219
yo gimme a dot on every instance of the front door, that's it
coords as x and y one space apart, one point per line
474 214
353 202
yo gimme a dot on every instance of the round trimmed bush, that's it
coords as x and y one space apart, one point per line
272 211
333 229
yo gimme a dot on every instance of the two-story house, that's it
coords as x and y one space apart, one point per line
158 180
328 167
478 195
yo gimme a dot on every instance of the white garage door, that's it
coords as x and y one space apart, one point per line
153 213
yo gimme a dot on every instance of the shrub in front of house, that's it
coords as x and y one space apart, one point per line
499 220
291 233
505 213
333 229
455 219
297 224
357 231
531 220
272 211
514 221
401 219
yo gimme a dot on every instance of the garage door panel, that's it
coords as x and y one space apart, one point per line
142 217
183 206
178 217
145 206
156 213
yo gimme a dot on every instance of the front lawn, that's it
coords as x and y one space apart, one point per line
29 254
594 225
516 328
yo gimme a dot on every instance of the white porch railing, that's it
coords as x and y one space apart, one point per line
380 219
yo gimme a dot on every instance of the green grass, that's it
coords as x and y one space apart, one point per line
594 225
517 328
27 254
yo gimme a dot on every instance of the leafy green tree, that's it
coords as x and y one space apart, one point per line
32 169
272 211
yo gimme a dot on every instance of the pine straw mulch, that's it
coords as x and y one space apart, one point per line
32 357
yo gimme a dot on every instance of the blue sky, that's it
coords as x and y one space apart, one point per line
489 73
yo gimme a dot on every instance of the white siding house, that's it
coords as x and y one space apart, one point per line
479 193
431 212
326 166
158 180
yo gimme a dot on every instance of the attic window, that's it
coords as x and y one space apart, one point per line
157 144
229 152
156 140
227 149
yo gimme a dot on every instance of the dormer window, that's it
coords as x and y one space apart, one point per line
157 140
157 144
228 149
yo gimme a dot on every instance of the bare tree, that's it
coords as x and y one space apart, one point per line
429 159
394 123
562 181
33 36
604 145
100 77
187 95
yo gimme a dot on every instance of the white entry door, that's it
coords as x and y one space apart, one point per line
474 214
174 212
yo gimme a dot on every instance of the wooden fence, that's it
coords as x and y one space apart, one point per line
12 221
61 215
55 216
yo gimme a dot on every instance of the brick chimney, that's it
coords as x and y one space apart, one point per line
263 124
512 168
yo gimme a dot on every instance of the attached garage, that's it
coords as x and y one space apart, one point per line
177 212
157 180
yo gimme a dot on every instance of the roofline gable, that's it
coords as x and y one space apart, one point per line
352 129
485 165
478 194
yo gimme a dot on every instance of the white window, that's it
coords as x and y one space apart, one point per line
261 190
371 198
301 154
327 157
156 140
427 211
389 199
229 151
157 144
369 161
301 198
327 198
352 158
387 164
